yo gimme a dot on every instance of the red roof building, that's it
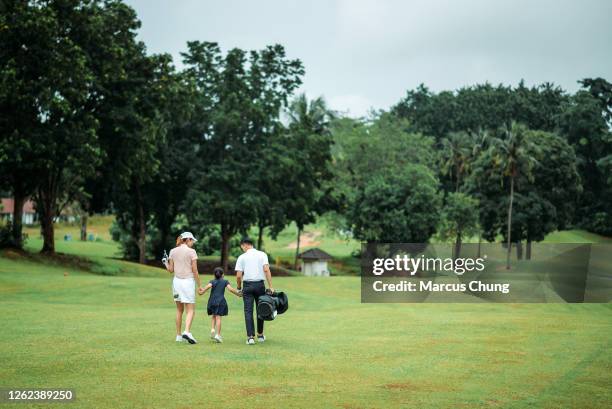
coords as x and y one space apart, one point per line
8 204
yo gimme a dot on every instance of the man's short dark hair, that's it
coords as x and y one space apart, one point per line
246 240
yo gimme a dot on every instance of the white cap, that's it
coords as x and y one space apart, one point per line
188 235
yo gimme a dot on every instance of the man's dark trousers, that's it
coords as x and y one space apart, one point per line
251 291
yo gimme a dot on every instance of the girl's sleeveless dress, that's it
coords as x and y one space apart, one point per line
217 305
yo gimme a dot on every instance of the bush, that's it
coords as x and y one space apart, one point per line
600 223
6 236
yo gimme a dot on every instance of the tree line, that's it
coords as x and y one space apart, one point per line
500 162
223 145
89 117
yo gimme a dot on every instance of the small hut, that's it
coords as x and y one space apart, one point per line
314 262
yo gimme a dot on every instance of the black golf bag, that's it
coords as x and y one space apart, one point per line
272 304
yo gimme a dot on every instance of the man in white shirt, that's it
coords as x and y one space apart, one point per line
252 268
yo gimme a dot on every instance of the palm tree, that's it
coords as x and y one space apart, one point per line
457 156
480 144
513 156
310 117
313 115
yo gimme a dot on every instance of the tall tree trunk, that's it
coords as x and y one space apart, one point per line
479 241
528 253
519 250
142 226
48 231
260 237
84 218
297 248
458 244
510 222
47 214
225 238
17 228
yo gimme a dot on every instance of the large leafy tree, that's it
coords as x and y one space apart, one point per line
548 201
369 158
176 154
382 144
242 94
556 179
64 57
137 156
398 207
481 107
26 38
459 218
56 90
586 122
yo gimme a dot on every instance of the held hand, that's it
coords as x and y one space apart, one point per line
270 290
200 291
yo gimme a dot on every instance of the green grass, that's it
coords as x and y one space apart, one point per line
112 339
576 236
104 251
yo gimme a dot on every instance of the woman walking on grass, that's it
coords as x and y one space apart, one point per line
183 262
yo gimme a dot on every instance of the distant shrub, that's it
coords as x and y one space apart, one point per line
6 236
600 223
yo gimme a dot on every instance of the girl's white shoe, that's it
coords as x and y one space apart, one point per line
179 338
218 339
212 334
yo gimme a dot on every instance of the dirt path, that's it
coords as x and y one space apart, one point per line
307 239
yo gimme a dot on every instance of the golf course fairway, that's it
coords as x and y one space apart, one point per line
111 339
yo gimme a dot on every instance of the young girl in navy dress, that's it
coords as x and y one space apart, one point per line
217 305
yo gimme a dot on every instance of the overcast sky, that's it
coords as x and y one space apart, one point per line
362 54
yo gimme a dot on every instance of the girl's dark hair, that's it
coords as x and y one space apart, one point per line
218 272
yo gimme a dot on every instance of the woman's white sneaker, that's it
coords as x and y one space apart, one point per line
218 339
179 338
212 334
189 338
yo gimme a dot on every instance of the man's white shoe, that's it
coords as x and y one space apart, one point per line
218 339
189 338
179 338
261 338
212 334
250 341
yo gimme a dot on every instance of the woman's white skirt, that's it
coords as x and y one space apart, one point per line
183 290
